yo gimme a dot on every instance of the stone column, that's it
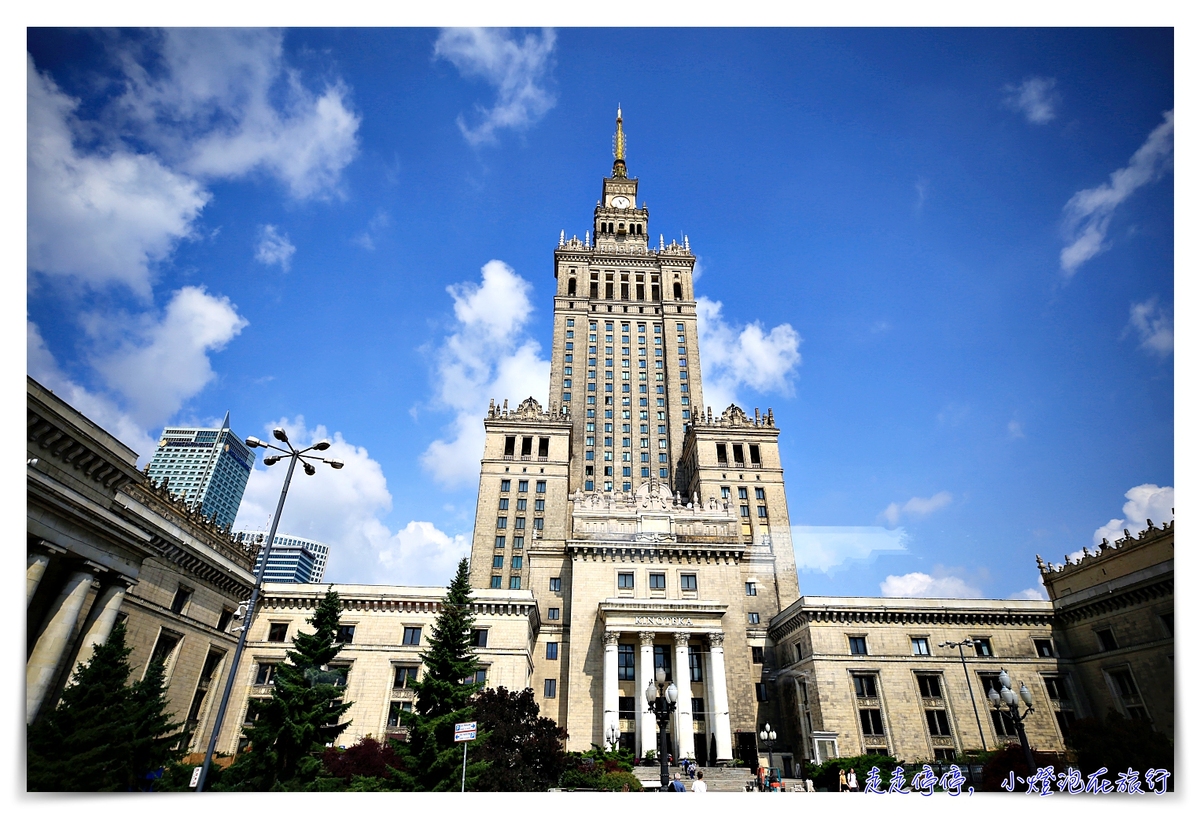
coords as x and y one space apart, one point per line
683 710
42 667
647 726
102 619
35 569
719 697
611 691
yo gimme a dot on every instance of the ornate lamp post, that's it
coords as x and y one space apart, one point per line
767 736
292 454
962 658
613 738
1010 698
661 698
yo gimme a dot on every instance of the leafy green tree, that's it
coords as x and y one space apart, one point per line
301 717
524 750
444 694
104 735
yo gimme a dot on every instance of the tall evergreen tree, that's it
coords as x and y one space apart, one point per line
301 717
444 692
103 735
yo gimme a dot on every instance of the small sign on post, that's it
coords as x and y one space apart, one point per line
464 732
195 777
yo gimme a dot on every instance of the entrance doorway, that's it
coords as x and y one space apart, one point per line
701 750
747 749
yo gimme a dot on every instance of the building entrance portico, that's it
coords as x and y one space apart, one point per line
685 640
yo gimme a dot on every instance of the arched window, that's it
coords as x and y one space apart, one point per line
610 228
678 291
570 286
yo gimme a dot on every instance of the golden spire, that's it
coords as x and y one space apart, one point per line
619 148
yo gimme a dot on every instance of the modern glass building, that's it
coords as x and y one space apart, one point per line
208 468
293 559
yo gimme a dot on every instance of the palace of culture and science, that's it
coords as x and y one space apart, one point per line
621 528
648 530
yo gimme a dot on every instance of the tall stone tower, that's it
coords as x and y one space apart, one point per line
651 532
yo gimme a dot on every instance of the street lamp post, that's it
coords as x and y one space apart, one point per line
1010 698
767 735
613 738
661 698
962 657
292 454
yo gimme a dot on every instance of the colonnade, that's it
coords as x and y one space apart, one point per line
712 687
69 608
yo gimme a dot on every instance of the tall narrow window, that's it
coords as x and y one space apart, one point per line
625 666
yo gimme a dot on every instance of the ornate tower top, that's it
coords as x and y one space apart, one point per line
619 149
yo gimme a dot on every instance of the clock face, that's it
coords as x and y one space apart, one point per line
620 201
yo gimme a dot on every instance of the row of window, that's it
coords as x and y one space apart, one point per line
522 487
920 646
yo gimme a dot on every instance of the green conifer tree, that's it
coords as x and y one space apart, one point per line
103 735
444 693
302 715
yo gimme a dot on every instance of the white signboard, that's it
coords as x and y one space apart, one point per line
464 731
196 776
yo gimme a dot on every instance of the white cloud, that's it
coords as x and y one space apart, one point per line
746 356
918 584
825 548
344 509
366 239
516 68
274 247
223 103
101 218
103 411
1089 212
1015 432
917 507
1031 593
1154 325
1144 502
163 363
1035 98
488 356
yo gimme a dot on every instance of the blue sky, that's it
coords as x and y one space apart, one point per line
943 257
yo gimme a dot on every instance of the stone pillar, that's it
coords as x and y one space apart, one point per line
683 709
611 691
35 569
42 667
102 619
647 726
719 697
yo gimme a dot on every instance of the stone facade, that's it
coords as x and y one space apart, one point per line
385 630
104 544
1115 624
837 657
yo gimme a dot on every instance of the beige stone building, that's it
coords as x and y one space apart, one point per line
104 544
650 532
384 629
861 675
1114 622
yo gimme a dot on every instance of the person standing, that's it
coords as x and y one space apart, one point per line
677 784
842 784
852 781
698 785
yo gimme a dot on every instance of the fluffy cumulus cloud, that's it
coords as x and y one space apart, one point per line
488 355
916 507
1035 98
746 356
828 548
918 584
345 510
164 360
1144 502
1154 326
518 67
222 103
274 247
98 218
1089 212
1034 592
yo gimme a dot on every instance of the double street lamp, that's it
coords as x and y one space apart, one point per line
661 698
1011 699
293 455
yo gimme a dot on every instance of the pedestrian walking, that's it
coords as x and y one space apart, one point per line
677 784
852 781
698 785
843 785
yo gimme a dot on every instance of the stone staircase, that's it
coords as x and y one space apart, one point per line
718 779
